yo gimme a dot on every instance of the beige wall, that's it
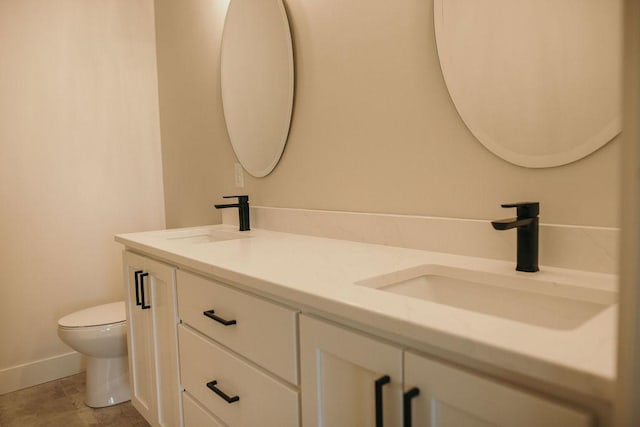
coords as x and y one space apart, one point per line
197 156
373 128
80 161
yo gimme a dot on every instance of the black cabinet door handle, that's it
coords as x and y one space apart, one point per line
137 275
406 404
211 315
229 399
144 305
378 392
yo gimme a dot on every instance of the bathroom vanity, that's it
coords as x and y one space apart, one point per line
264 328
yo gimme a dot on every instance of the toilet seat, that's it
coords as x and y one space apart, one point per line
106 314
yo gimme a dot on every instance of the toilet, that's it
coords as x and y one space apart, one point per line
100 334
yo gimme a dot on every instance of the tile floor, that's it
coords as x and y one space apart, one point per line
60 404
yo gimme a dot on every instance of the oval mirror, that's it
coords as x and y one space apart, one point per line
538 82
256 68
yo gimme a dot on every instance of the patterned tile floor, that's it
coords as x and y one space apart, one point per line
60 403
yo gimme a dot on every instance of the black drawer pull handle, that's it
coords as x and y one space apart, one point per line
378 392
222 394
210 314
137 274
144 305
406 404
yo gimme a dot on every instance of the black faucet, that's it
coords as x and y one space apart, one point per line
527 224
243 210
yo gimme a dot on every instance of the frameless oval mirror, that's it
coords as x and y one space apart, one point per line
256 68
538 82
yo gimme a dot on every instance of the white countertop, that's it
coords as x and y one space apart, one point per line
321 273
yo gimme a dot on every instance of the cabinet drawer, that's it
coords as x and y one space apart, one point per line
263 401
263 332
195 415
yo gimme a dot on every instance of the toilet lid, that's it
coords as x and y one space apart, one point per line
95 316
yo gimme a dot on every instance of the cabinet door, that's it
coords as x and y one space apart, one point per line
142 376
451 397
340 370
165 336
152 340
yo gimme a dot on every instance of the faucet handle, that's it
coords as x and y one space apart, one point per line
525 209
241 198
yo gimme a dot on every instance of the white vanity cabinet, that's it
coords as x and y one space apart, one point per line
238 356
340 369
348 379
152 340
215 344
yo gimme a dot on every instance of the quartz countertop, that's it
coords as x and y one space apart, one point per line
320 275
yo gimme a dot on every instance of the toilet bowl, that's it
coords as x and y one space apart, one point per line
100 334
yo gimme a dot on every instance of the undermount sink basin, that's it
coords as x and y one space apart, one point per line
537 300
206 236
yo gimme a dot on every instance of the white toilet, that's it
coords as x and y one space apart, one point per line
100 334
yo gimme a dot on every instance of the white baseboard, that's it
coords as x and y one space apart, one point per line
40 371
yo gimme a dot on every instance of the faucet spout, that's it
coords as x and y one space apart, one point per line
509 223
